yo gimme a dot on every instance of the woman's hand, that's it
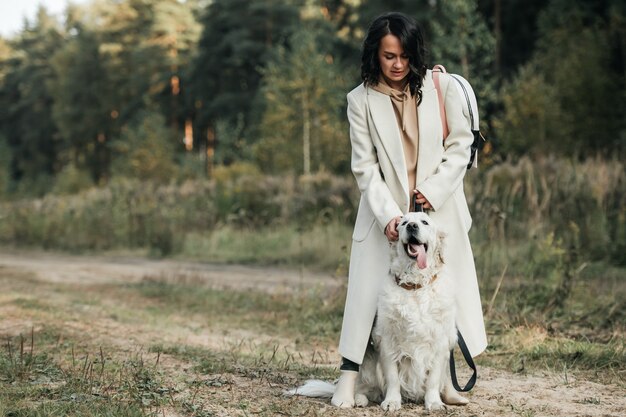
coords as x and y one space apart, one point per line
391 230
420 199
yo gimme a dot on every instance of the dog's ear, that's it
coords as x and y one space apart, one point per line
441 237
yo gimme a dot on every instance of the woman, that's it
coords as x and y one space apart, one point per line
398 155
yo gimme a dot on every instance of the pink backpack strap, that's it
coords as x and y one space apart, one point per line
437 69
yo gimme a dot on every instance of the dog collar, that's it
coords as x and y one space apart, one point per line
411 287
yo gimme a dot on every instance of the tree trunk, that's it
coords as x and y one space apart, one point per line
497 29
306 134
210 151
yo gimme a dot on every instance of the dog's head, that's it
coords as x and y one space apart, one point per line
420 242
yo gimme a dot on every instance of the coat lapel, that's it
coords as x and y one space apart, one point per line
381 112
429 127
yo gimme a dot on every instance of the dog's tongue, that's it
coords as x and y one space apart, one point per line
421 255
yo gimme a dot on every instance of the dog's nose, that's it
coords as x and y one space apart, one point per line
411 227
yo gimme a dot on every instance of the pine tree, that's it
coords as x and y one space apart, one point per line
82 103
575 74
303 127
131 59
462 42
238 38
26 120
144 149
5 151
5 167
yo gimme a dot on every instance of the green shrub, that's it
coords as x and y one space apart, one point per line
145 150
72 180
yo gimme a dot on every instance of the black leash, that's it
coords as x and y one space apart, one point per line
417 207
470 363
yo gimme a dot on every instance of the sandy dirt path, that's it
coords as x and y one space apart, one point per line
62 268
497 393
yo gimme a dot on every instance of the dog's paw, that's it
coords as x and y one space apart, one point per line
391 405
435 405
432 401
361 400
342 403
453 398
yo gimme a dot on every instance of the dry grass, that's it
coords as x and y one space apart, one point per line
169 346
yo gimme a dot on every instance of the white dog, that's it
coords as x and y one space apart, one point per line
414 329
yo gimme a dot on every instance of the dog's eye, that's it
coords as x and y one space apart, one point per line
404 223
425 222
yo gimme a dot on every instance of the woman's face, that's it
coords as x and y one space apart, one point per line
394 64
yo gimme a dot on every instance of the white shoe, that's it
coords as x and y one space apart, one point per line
344 391
450 396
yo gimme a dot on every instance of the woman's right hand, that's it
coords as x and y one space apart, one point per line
391 230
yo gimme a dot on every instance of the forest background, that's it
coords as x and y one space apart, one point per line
217 131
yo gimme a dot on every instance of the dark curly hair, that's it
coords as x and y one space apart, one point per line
404 28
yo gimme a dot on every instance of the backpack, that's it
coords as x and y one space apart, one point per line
470 110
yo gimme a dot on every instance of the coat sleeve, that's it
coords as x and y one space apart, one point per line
365 166
438 187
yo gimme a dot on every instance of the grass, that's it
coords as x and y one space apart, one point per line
65 379
311 317
56 370
73 408
245 217
586 334
271 362
21 362
528 349
519 341
323 246
45 379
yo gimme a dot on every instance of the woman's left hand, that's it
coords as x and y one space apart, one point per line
420 199
391 230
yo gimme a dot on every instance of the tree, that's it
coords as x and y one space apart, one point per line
122 58
462 42
27 121
530 118
514 27
145 149
237 39
82 103
303 127
579 80
336 25
5 165
461 38
422 11
173 36
5 150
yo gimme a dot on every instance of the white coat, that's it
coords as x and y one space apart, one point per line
379 167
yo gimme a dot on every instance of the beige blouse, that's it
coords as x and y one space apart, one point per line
405 107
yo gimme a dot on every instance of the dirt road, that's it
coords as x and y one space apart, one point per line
61 268
44 280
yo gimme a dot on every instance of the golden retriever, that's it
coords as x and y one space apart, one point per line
414 330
